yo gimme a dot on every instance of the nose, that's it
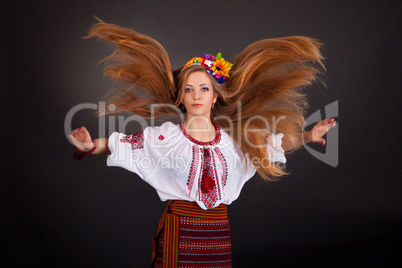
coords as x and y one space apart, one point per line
196 95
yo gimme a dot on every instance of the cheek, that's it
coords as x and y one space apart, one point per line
185 98
213 97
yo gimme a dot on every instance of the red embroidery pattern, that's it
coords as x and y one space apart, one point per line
161 137
136 141
217 135
209 199
216 175
224 165
193 168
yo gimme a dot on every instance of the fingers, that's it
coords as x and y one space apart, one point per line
77 143
328 122
79 130
80 133
82 146
332 122
83 129
77 137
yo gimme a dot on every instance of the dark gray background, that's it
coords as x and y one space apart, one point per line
58 211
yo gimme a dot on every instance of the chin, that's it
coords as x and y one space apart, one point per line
198 114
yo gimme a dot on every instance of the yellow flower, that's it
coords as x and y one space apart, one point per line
222 67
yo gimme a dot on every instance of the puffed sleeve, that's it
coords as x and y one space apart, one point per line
274 147
122 148
142 153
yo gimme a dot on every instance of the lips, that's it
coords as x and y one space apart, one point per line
197 105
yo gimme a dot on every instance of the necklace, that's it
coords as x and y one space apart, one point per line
215 141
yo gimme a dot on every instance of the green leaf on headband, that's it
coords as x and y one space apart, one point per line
219 56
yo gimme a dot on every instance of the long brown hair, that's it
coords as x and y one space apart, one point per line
143 67
265 90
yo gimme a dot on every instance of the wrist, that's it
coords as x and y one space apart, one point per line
81 155
93 148
307 137
90 147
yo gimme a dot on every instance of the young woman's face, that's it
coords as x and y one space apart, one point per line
198 94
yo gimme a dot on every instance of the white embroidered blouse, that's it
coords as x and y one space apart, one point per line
172 162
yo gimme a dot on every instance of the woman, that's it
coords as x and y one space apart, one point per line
237 119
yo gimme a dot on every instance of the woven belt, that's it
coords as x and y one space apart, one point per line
170 221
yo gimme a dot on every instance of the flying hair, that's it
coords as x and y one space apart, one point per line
268 79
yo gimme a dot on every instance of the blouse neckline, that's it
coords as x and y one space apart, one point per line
203 143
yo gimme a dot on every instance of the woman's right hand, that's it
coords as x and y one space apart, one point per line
81 139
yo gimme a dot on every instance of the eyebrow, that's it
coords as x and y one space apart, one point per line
204 84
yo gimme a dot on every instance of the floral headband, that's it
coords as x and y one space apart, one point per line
216 66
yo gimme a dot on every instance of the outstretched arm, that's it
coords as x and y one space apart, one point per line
82 140
314 135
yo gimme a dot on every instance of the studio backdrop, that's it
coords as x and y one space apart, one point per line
339 206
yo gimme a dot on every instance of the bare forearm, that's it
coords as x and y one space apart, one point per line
305 138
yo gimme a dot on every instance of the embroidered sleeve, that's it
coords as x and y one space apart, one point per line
136 141
126 150
143 153
275 150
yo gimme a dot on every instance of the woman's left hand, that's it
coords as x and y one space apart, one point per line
320 129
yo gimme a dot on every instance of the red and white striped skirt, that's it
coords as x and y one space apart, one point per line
189 236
